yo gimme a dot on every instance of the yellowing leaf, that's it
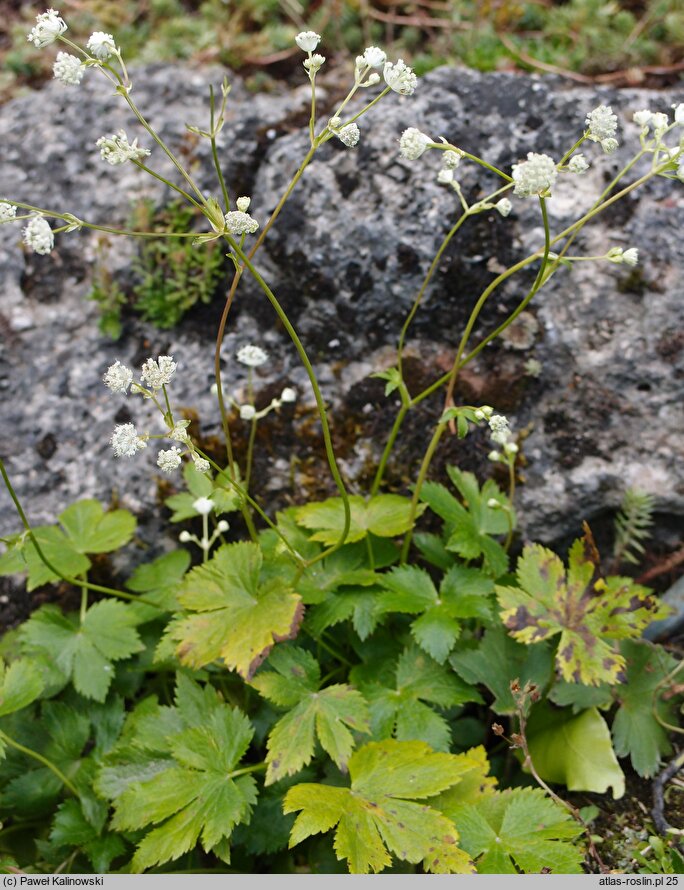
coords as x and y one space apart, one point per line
574 750
233 614
385 515
379 814
585 610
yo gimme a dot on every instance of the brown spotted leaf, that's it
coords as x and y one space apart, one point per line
588 612
382 813
232 614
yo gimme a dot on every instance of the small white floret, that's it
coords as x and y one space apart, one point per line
373 57
413 143
49 26
601 123
288 395
158 373
349 135
118 377
535 176
400 77
307 41
240 223
38 235
203 506
578 164
68 69
243 203
8 212
125 440
247 412
252 356
169 460
504 206
201 465
101 45
116 149
314 63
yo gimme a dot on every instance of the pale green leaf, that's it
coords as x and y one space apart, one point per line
59 551
20 684
91 530
385 515
574 751
378 815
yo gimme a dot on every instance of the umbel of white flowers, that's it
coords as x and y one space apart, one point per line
126 441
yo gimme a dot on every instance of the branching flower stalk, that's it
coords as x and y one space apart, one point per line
524 697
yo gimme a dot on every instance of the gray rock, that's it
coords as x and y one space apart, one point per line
346 258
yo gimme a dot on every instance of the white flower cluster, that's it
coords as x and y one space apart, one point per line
101 45
535 176
400 77
629 257
252 356
501 434
307 41
240 223
49 26
158 373
413 144
602 127
68 69
578 164
249 412
349 135
8 212
116 149
38 235
126 441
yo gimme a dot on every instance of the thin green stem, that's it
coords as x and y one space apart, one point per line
389 447
84 599
245 496
167 182
160 142
256 767
422 474
250 451
446 146
320 404
214 148
29 752
76 582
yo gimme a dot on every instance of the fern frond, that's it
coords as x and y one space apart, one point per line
632 525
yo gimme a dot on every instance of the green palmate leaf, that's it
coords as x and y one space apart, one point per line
201 798
385 515
498 660
574 750
379 814
159 581
70 829
233 614
637 731
580 697
469 526
57 549
519 830
347 567
20 684
327 714
85 651
462 594
586 610
91 530
404 711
